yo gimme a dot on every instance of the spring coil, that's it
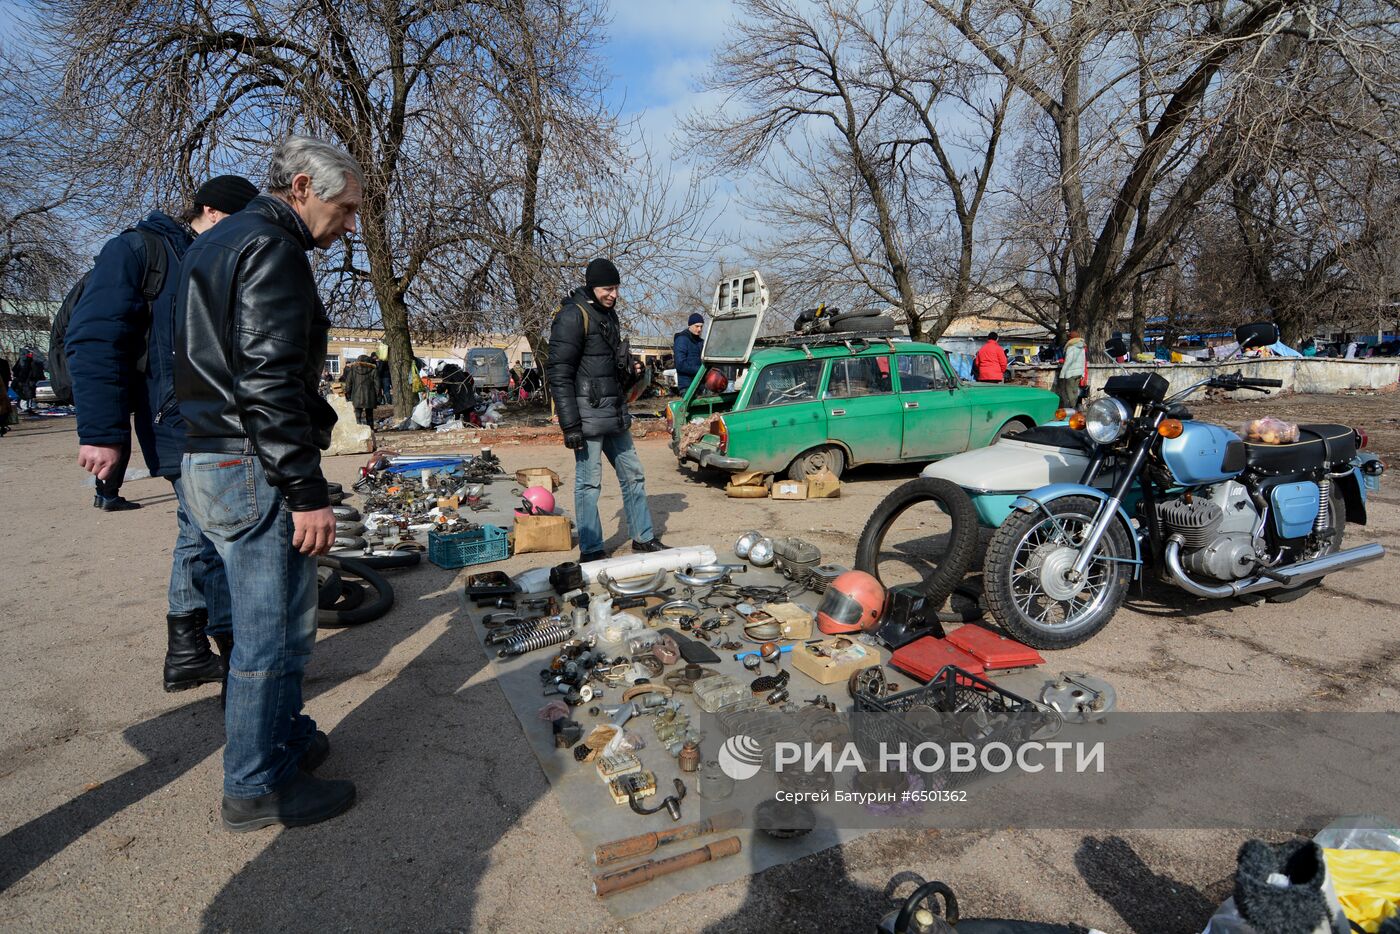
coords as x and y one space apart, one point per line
1323 525
552 635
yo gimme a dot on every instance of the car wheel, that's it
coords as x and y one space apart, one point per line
828 456
1013 427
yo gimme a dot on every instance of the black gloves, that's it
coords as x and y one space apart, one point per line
573 439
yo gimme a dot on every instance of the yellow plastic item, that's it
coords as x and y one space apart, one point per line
1367 884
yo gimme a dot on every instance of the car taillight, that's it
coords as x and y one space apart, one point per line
1362 439
720 430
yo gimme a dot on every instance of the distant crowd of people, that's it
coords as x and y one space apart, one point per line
18 384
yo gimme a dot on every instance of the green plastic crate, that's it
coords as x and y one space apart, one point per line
474 546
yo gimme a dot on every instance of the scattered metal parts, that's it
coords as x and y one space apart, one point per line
1079 698
567 733
675 609
671 804
632 589
639 690
550 635
684 679
870 682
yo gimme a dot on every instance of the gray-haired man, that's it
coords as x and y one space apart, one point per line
249 348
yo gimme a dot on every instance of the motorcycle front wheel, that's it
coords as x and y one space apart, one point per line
1027 576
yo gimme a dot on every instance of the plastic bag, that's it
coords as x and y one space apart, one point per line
423 414
1269 430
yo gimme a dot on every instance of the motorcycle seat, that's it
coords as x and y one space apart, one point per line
1338 440
1316 445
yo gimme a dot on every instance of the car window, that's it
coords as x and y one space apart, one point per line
859 376
920 372
787 382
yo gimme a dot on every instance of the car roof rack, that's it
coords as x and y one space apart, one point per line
805 342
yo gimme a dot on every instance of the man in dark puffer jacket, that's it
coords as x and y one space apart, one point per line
589 371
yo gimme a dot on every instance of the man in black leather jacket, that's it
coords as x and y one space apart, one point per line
589 372
250 345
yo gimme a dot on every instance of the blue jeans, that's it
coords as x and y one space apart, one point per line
272 592
588 483
197 580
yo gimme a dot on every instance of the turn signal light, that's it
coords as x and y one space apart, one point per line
670 417
1076 421
1170 428
720 430
1362 439
1062 414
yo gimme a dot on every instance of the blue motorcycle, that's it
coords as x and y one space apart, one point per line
1216 515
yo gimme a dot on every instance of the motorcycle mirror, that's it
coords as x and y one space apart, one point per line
1258 334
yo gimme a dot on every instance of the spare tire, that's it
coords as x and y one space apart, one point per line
941 560
366 612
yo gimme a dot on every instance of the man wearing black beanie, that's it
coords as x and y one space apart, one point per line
119 350
590 369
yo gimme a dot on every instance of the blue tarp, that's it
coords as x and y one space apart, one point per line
1283 350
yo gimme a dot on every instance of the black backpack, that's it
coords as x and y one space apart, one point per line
151 284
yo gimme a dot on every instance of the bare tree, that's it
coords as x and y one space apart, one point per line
1207 87
466 118
37 258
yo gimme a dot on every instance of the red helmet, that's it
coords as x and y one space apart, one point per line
536 501
716 382
853 603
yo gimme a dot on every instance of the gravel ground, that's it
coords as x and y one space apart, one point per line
109 788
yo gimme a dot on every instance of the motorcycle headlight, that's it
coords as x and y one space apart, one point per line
1106 420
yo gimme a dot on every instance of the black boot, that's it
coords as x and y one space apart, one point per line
303 800
188 661
225 644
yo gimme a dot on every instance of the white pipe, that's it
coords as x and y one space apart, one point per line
645 565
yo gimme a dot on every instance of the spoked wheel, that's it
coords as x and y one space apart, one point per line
1030 585
924 534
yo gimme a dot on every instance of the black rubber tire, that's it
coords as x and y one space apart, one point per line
347 542
952 500
337 499
394 562
1339 525
346 513
809 462
366 612
330 587
348 527
352 597
334 488
1013 427
1001 602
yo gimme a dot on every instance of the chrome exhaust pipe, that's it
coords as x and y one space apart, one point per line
1288 576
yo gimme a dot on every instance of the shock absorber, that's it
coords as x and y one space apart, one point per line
1323 525
551 635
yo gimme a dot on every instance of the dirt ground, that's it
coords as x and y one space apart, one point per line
109 788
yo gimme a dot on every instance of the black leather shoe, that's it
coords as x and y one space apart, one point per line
586 556
656 544
316 752
188 660
114 503
303 800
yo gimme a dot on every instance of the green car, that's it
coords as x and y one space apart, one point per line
797 409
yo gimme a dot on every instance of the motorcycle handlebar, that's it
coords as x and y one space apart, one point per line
1255 381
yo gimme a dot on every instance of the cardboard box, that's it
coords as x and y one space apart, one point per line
749 478
542 533
538 476
825 669
794 620
823 485
790 489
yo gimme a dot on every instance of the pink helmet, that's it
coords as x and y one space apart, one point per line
536 501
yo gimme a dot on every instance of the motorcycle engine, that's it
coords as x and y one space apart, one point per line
1216 524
